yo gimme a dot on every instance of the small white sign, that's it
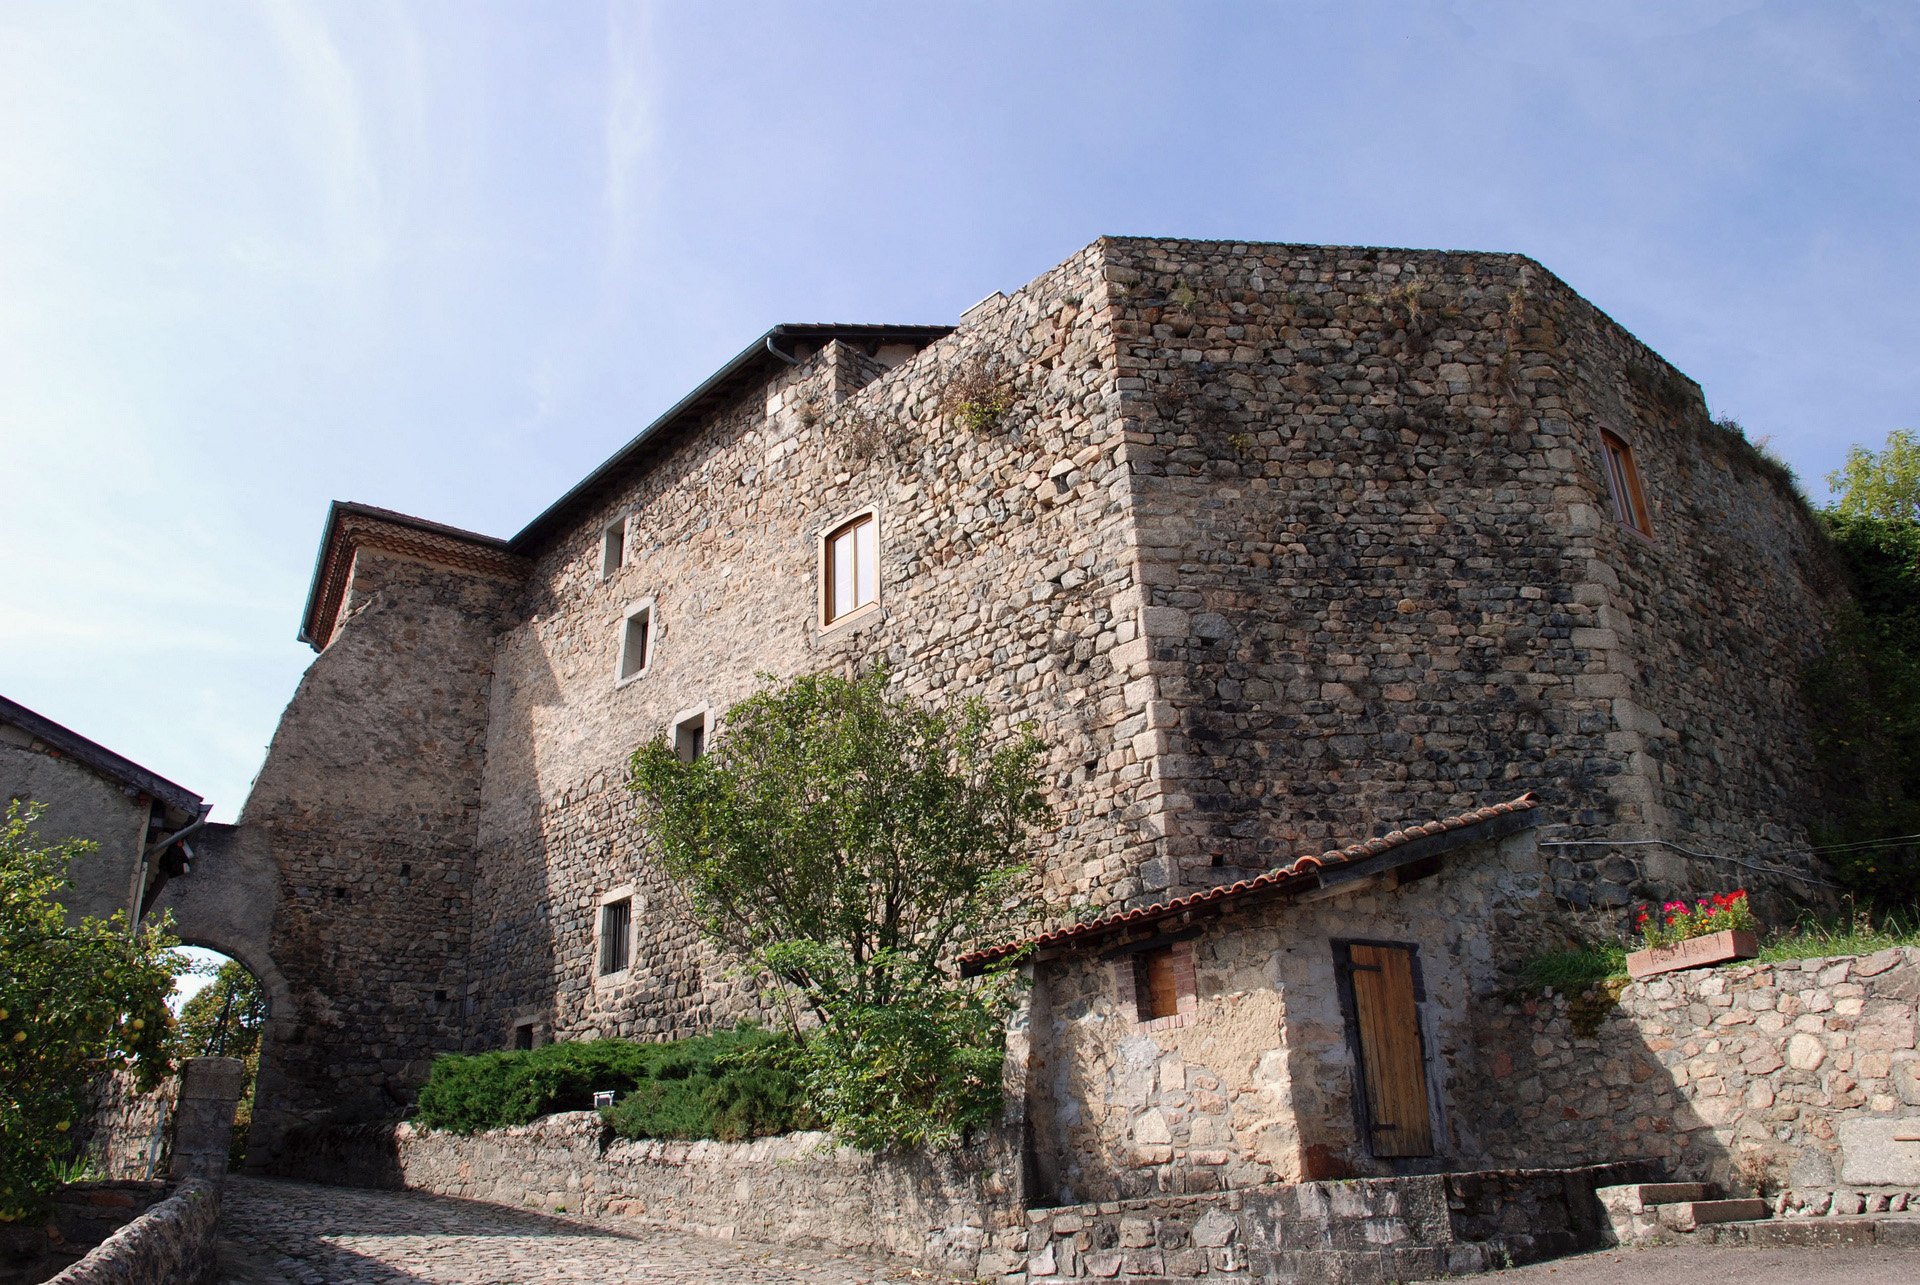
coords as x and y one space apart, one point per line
602 1098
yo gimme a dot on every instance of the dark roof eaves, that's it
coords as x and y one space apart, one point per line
334 512
99 757
753 354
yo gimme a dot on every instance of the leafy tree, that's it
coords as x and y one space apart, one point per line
848 842
75 1000
1865 693
1880 484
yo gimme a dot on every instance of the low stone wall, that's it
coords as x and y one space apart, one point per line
173 1243
1370 1230
1763 1077
940 1211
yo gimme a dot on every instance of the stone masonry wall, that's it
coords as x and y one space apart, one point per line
79 803
799 1189
1005 574
366 806
1386 580
1764 1076
1256 1086
121 1133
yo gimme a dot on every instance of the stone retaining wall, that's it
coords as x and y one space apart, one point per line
173 1243
1762 1076
801 1189
1372 1230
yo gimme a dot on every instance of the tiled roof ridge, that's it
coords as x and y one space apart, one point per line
1298 868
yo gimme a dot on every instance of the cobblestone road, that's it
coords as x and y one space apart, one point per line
276 1231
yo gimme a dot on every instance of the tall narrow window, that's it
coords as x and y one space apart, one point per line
616 924
1623 480
613 548
636 642
851 569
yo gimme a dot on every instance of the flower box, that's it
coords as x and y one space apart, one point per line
1695 952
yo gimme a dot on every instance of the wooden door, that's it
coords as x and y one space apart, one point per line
1386 1019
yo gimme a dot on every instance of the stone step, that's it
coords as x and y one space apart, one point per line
1685 1215
1896 1230
1638 1195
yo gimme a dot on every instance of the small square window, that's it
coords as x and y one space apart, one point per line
616 929
690 738
523 1035
1156 990
636 642
1623 481
850 568
613 548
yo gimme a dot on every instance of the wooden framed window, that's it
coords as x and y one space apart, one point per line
1623 480
1154 981
636 642
615 934
1155 992
850 568
1380 989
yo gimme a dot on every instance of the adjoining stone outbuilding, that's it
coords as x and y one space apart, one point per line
1277 546
141 824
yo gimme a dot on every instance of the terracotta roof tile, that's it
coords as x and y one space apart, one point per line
1299 868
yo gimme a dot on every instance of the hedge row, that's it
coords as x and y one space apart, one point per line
729 1086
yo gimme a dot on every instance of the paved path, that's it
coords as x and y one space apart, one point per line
294 1233
1704 1265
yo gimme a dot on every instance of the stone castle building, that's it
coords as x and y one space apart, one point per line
1278 547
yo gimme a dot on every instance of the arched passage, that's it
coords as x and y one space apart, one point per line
225 904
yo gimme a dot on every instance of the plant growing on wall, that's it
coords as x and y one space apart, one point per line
847 841
977 395
76 999
1679 921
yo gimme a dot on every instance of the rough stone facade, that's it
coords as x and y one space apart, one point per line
1275 546
125 1135
1766 1077
85 791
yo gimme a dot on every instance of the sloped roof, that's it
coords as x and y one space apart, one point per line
71 744
1431 837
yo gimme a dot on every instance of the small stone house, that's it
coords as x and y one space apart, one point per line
141 824
1310 1023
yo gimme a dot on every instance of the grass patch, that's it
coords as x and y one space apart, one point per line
1861 935
729 1085
1570 972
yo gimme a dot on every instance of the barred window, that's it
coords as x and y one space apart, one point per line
616 925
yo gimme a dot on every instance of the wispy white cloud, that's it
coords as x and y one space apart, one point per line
631 125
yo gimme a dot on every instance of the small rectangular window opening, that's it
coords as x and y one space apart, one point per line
852 570
690 738
613 549
616 920
636 642
1156 990
1623 480
523 1035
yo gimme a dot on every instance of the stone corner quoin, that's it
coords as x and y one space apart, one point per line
1280 547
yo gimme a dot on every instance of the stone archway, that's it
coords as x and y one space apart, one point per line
226 904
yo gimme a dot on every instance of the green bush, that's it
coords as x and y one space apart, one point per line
729 1085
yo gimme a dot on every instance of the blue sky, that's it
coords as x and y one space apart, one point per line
446 257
